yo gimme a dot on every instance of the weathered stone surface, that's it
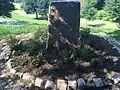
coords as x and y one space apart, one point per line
81 82
4 51
116 78
98 82
64 19
38 82
50 85
27 77
72 84
19 74
61 85
9 64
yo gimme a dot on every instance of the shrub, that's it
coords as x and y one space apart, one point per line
13 43
103 15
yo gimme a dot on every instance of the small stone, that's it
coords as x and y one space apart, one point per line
81 82
98 82
50 85
19 74
72 84
9 64
38 82
116 78
13 71
27 76
61 85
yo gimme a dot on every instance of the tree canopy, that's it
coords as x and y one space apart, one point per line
113 8
6 6
36 6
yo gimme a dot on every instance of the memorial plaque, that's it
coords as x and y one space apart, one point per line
64 23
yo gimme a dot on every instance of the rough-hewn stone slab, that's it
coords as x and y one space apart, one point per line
64 21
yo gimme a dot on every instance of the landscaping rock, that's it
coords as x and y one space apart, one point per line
5 51
50 85
72 84
38 82
19 74
61 85
27 77
8 64
98 82
116 78
81 82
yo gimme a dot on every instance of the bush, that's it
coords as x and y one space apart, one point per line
13 42
103 15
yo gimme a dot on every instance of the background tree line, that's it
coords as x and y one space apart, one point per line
108 10
91 9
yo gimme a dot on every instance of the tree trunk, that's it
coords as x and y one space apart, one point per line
36 14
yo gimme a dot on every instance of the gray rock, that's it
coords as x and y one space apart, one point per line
98 82
61 84
5 52
72 84
81 82
116 78
50 85
28 77
38 82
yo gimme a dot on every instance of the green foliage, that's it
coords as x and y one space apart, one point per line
36 6
13 42
100 4
113 8
6 6
102 15
86 53
89 10
43 7
41 36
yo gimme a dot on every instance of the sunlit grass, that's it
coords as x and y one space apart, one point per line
6 30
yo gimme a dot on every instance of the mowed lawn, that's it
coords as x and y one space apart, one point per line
20 15
98 26
95 26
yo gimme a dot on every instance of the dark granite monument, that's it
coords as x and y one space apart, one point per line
64 23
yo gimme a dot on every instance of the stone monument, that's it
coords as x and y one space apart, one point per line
64 23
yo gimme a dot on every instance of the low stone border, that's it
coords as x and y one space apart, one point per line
29 80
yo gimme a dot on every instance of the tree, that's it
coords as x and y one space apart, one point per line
89 10
43 7
36 6
113 8
100 4
6 6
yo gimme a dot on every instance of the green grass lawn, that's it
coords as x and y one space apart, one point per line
98 26
6 30
17 16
